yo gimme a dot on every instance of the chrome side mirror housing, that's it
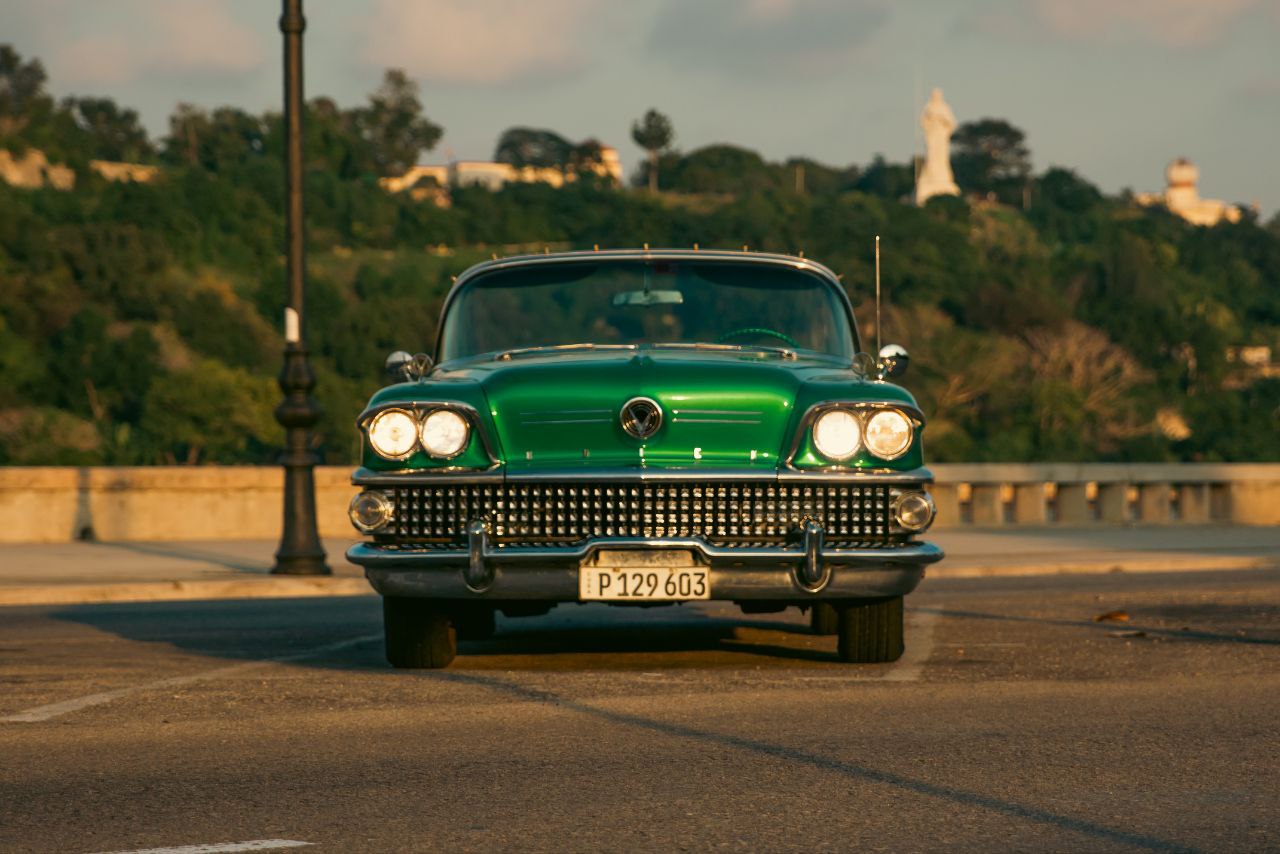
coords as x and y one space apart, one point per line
401 367
893 361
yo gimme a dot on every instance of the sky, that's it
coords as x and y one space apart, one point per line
1112 88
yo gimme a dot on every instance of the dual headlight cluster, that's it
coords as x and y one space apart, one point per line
396 433
840 433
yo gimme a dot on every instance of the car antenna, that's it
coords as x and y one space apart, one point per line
877 294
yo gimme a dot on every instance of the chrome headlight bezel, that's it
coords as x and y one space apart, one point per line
445 454
919 499
370 431
848 420
894 453
382 511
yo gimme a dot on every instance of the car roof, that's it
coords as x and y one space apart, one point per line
798 262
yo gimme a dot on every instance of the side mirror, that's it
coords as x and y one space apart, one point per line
402 367
893 361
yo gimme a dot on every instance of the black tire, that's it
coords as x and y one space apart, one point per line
824 619
474 621
871 632
419 633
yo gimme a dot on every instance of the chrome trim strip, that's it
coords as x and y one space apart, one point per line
426 477
369 554
434 477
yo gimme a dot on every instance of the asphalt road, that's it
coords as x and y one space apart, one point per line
1014 722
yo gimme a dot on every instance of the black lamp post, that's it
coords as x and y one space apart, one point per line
300 552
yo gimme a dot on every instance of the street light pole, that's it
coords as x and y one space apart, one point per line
300 552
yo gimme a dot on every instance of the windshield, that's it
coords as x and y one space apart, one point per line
646 303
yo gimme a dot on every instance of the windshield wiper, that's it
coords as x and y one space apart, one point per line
506 355
738 348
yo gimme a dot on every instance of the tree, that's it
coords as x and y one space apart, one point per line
22 95
723 169
393 124
586 156
887 180
536 147
113 133
653 133
224 139
989 157
210 410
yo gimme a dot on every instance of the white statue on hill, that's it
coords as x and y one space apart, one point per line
935 178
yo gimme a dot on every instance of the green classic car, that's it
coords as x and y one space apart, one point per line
639 427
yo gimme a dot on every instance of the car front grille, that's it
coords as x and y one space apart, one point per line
727 512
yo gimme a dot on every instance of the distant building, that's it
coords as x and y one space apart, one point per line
33 170
1183 198
432 181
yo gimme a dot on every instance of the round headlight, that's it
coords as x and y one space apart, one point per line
370 511
444 433
393 434
837 434
888 434
913 510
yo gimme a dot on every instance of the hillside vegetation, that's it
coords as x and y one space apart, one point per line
139 323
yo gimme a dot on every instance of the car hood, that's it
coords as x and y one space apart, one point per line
733 410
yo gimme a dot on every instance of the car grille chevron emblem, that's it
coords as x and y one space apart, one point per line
641 417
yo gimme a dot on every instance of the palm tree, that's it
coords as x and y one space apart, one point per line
653 133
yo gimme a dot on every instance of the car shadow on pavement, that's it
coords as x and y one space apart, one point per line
1100 833
567 639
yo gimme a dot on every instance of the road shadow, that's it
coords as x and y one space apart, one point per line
571 637
1096 832
1218 623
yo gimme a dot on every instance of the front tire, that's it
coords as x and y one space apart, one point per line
419 633
871 632
824 619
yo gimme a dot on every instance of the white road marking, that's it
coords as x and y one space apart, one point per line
53 710
919 638
218 847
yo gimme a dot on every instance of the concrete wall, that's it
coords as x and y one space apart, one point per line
159 503
244 502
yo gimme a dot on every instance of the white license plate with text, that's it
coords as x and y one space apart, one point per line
645 577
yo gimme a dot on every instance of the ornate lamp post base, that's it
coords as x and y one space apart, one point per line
300 552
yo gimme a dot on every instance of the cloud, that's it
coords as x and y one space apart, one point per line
481 42
766 38
138 38
1170 23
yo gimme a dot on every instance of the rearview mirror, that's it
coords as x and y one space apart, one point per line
644 298
893 361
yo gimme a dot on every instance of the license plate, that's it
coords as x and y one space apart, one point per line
640 576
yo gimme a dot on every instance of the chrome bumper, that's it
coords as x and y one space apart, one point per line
803 572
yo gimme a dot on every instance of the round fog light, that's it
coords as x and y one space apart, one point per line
913 510
370 511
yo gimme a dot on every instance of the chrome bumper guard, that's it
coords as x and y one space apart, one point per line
804 571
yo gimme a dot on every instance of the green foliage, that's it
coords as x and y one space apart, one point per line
138 322
210 412
990 157
532 147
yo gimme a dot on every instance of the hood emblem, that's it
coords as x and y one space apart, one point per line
641 417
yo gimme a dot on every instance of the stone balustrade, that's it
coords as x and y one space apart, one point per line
244 502
1082 494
